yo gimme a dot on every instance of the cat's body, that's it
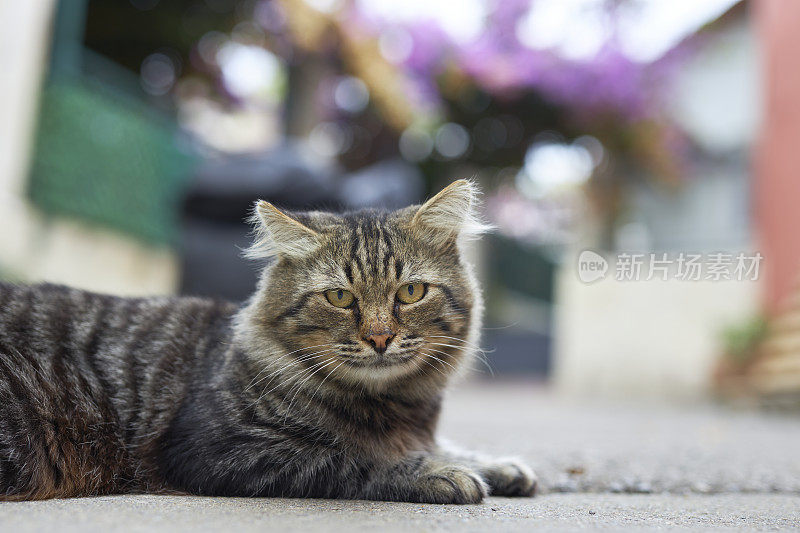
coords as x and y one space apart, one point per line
290 395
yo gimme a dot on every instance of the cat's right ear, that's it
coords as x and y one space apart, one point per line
276 233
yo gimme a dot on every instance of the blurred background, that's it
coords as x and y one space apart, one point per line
136 134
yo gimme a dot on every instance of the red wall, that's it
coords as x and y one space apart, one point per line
777 161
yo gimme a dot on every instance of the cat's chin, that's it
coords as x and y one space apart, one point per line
381 369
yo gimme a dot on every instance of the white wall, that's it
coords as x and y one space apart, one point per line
23 46
717 95
643 338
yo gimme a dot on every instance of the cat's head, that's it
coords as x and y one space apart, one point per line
369 297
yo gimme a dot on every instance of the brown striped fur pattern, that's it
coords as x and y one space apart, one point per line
284 396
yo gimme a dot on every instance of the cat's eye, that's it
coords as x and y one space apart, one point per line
411 292
340 297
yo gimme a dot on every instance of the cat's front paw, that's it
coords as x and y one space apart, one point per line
451 484
509 478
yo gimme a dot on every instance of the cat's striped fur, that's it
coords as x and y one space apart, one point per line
283 397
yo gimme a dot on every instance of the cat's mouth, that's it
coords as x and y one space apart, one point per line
382 361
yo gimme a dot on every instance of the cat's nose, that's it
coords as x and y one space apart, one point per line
380 342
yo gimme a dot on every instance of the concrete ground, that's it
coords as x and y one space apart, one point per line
602 465
751 512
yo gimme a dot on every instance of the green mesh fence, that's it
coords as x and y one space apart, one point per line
105 158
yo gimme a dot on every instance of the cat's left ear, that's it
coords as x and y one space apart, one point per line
279 234
451 214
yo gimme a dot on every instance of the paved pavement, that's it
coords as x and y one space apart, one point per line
641 446
752 512
603 465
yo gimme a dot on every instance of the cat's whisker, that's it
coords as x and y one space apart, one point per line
279 357
507 326
322 383
440 360
305 380
281 372
429 363
304 357
293 364
462 348
480 357
468 343
475 369
291 376
479 353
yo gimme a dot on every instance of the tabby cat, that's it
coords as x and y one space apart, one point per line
327 383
